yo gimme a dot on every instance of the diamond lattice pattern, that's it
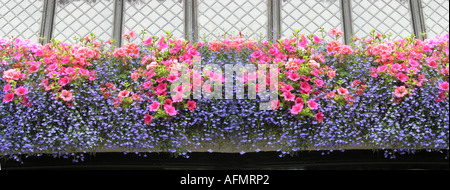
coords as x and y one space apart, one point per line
80 18
155 16
309 15
384 16
219 17
21 19
436 17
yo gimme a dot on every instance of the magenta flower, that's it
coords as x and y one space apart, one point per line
148 41
296 109
162 44
154 106
7 88
294 76
319 82
21 91
319 117
161 89
312 104
444 86
305 88
64 81
148 119
288 96
170 110
191 105
8 97
402 77
147 84
172 78
317 39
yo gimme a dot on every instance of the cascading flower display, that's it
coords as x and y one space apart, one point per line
167 94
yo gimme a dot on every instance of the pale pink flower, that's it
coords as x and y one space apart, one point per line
12 74
400 91
124 93
178 97
342 91
66 95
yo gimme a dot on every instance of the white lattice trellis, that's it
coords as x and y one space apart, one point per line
21 19
436 13
155 16
309 15
217 17
79 18
385 16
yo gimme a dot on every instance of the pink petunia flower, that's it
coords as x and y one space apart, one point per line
294 76
124 93
275 104
148 119
154 106
319 117
444 86
148 41
305 88
66 95
400 91
312 104
83 72
178 97
147 84
296 109
319 82
8 97
288 96
64 81
402 77
161 89
172 78
7 88
191 105
336 32
12 74
342 91
168 102
129 34
317 39
21 91
299 100
170 110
